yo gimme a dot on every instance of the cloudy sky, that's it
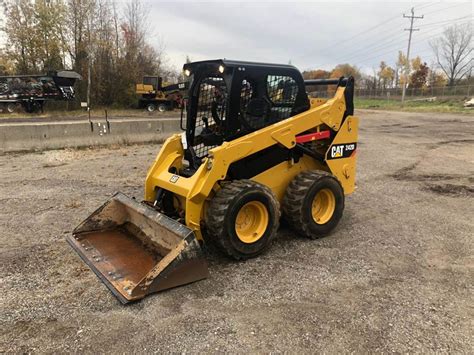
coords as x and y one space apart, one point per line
310 34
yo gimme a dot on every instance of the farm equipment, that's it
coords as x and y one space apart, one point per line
254 147
31 91
156 96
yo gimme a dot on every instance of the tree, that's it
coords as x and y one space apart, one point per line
106 38
21 37
401 68
386 75
6 65
316 74
48 25
345 70
436 79
453 51
416 63
419 78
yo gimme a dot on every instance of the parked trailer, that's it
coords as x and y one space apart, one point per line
156 96
31 91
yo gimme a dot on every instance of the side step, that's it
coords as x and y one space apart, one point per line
136 250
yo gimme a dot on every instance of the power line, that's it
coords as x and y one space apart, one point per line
446 8
382 44
333 45
397 43
376 46
444 21
412 18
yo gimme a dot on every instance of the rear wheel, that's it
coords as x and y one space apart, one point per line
242 218
162 108
313 203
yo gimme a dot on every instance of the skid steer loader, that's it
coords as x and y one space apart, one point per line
255 147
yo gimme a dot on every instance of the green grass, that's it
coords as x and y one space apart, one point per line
442 105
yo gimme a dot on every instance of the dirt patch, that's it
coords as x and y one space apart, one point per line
456 141
451 190
406 174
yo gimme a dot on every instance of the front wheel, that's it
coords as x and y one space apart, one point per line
11 107
151 107
313 203
242 218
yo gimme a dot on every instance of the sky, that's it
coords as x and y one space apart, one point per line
318 34
309 34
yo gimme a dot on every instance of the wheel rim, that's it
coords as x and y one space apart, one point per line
323 206
251 222
161 108
151 108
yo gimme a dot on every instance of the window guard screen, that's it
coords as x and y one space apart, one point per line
211 103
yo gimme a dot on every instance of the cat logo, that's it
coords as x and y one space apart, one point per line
337 151
341 151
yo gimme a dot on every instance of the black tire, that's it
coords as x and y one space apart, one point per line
11 107
162 108
298 203
151 107
221 216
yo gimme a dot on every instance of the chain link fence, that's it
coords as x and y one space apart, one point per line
439 92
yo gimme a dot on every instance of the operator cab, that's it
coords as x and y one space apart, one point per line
228 99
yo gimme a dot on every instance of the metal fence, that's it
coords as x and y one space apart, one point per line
459 91
414 93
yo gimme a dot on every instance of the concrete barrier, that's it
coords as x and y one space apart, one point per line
16 137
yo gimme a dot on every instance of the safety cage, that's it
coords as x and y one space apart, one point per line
228 99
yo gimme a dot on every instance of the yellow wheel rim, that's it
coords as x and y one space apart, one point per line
323 206
251 222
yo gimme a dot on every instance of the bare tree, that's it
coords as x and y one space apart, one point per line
453 52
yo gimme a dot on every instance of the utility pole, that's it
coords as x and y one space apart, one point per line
412 17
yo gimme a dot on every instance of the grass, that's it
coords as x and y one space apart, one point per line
441 105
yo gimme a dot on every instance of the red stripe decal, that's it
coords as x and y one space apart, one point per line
313 136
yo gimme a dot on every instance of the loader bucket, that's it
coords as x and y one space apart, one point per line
136 250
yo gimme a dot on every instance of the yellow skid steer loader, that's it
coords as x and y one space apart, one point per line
255 147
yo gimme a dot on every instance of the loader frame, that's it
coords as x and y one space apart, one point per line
334 115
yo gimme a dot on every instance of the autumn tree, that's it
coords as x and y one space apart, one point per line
316 74
386 75
436 78
419 78
6 65
104 37
21 38
345 70
401 70
48 24
453 51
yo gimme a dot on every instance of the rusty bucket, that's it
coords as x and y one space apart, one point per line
136 250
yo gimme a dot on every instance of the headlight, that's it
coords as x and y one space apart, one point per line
187 72
221 69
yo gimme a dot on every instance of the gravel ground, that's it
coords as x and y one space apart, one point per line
395 276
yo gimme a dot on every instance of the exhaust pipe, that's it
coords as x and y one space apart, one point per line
136 250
